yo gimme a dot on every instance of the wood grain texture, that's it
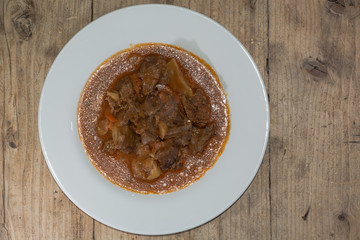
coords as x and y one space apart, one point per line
308 53
4 73
314 92
32 34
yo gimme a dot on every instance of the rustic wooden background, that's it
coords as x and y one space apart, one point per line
309 55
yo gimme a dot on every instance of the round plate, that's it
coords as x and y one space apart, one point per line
174 212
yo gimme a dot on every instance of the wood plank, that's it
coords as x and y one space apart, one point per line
101 8
314 85
315 124
35 32
352 217
4 73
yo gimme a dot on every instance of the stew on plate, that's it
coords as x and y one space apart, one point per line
153 118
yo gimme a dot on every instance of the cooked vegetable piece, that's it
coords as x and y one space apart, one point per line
145 169
177 80
162 129
114 95
116 134
143 151
102 127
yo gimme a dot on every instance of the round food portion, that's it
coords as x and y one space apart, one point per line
153 118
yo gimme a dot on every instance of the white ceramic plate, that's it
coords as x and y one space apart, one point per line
153 214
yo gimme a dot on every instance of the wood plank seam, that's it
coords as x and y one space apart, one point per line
3 127
92 11
268 94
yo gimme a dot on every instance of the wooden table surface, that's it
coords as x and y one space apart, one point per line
308 186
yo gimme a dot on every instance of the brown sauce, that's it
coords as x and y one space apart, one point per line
119 162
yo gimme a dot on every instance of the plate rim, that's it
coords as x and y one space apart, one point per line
264 92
